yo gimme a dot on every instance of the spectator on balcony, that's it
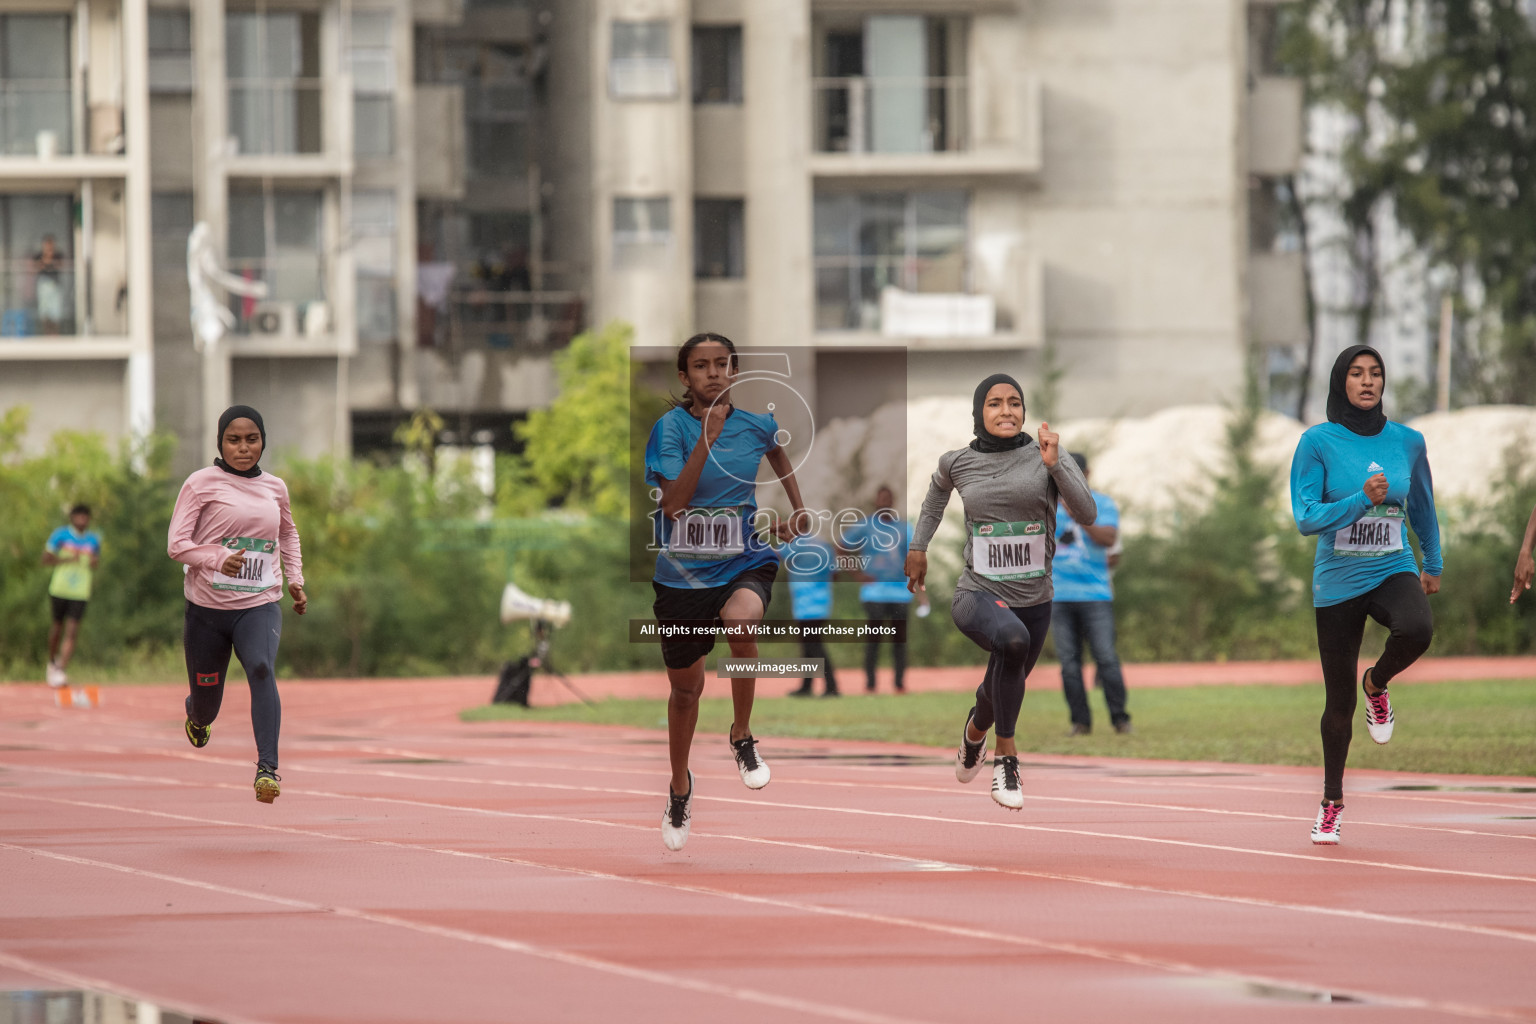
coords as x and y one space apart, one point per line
48 271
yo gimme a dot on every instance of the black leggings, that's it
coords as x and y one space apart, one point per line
1015 637
1400 605
252 633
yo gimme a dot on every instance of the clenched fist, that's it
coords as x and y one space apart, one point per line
1050 445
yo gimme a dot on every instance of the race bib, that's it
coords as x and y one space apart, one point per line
1008 551
257 573
707 534
1378 532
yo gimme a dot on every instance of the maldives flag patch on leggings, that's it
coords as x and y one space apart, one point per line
207 679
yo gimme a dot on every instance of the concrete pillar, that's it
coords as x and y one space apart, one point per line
210 157
777 93
136 201
408 392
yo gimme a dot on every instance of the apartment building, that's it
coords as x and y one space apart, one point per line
436 194
987 184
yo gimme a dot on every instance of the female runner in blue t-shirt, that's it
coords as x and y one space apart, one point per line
1356 481
711 566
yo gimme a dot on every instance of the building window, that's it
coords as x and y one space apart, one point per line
35 85
372 54
275 236
641 229
717 64
275 89
37 288
867 242
891 84
170 51
497 101
719 248
498 107
373 250
640 67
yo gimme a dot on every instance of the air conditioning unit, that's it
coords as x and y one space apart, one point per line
642 78
275 318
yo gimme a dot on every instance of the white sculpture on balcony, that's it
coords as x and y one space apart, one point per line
211 317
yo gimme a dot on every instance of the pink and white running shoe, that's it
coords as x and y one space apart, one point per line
1378 714
1326 830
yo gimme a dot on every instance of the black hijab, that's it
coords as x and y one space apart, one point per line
236 412
1366 422
986 442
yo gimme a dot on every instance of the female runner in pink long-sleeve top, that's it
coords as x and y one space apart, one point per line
233 532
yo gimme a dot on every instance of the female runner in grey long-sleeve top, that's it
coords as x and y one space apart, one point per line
1009 484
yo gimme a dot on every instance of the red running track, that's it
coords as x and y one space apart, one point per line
420 869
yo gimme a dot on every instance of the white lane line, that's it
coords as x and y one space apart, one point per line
914 788
1471 798
676 981
1010 938
1303 908
908 787
462 780
85 982
895 815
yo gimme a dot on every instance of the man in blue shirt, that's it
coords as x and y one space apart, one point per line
881 542
1083 609
810 564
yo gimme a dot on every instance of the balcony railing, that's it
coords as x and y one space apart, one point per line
34 304
35 117
507 319
850 290
932 302
891 115
276 118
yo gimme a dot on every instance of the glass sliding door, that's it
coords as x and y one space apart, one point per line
866 242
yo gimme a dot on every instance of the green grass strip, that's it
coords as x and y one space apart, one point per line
1479 728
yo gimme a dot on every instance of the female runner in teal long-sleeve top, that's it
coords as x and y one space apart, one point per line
1356 482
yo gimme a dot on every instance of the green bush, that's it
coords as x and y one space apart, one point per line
405 575
135 611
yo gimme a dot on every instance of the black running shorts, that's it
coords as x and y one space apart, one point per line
681 604
64 608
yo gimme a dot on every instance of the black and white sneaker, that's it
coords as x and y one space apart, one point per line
1005 782
753 769
674 818
972 755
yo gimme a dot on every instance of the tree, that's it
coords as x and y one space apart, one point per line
1460 161
576 451
1440 139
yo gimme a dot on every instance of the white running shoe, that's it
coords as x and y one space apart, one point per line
754 770
1327 829
1005 782
55 676
1378 714
674 817
972 756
